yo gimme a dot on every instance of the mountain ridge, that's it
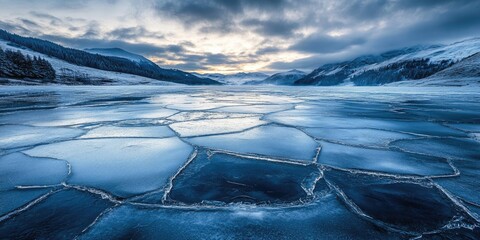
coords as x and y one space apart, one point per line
107 63
281 78
411 63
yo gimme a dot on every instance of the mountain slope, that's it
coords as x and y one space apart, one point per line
463 73
118 52
108 63
283 78
405 64
67 73
235 79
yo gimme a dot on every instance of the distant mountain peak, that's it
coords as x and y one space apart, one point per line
235 78
296 71
281 78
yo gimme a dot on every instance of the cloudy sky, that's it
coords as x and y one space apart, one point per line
244 35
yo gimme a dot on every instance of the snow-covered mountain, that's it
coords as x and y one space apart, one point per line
463 73
282 78
75 66
118 52
412 63
234 79
68 73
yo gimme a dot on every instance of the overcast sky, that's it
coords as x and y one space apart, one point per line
244 35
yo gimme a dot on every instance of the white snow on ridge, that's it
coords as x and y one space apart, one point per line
63 67
334 71
452 52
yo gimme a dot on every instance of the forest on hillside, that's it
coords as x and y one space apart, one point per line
13 64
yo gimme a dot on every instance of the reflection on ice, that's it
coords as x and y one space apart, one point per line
18 169
403 205
14 136
455 148
147 132
214 126
123 166
227 179
319 121
62 215
394 163
274 141
358 137
83 115
254 108
467 185
326 218
382 161
15 198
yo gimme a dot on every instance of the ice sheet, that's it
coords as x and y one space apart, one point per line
83 115
359 137
385 161
15 198
228 179
467 185
325 218
14 136
254 108
18 169
455 148
317 120
271 141
62 215
215 126
146 132
122 166
406 206
130 153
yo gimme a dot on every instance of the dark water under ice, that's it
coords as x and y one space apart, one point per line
142 162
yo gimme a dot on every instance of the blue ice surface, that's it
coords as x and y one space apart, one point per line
122 166
382 161
226 178
273 141
103 162
326 218
12 199
358 137
407 206
452 148
18 169
62 215
16 136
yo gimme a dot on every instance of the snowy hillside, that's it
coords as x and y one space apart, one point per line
118 52
72 74
416 63
464 73
234 79
283 78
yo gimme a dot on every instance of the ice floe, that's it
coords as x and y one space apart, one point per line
122 166
270 140
384 161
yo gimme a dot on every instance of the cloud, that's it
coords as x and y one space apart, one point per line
192 34
272 27
321 43
218 16
133 33
267 50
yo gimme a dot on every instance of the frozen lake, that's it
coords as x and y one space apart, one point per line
143 162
